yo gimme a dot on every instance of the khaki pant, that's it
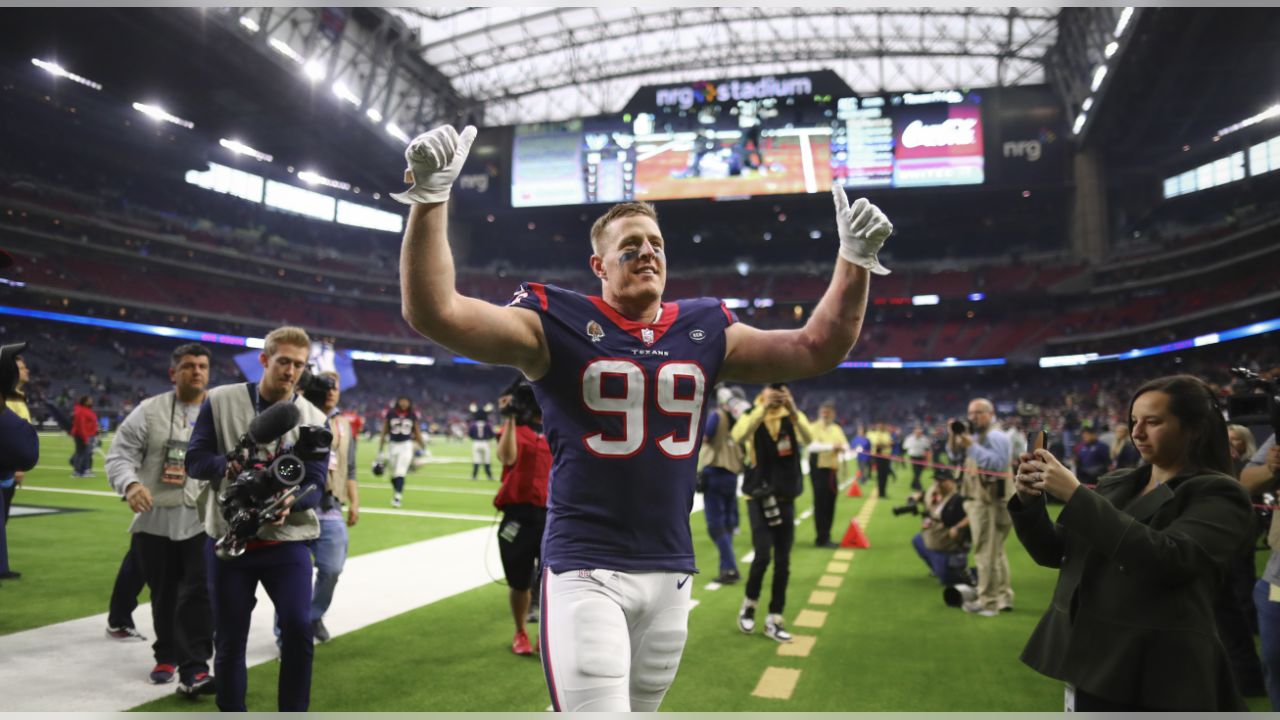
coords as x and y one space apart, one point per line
989 524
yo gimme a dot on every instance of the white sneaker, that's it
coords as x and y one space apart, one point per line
395 500
774 629
977 608
747 617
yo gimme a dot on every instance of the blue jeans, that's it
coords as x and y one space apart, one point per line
330 552
720 501
940 563
1269 631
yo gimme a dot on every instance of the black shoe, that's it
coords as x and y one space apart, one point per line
827 544
11 575
728 577
320 632
201 683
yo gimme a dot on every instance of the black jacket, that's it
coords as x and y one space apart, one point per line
1132 614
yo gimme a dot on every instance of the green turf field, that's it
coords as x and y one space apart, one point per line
887 642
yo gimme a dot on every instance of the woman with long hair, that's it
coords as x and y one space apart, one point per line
1140 558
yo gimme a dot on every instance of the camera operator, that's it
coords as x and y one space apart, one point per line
986 449
721 461
777 431
19 443
330 549
944 529
146 466
526 472
278 556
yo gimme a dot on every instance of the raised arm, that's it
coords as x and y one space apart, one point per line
760 356
429 298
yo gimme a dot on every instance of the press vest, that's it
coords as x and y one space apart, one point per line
720 450
165 421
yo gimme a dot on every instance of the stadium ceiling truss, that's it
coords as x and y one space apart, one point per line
534 64
417 67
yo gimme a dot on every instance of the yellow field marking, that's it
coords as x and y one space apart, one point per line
831 581
822 597
777 683
843 555
800 646
811 618
837 568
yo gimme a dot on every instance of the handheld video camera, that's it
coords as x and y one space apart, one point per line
260 493
1251 409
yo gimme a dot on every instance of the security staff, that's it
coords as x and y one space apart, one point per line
278 558
825 464
146 466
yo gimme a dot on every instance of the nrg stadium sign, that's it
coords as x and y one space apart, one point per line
702 93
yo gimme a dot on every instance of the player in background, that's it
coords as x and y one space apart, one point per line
400 428
481 433
623 403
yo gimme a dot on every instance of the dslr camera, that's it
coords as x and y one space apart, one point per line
524 405
912 506
260 493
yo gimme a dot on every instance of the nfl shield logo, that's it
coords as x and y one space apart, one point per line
646 334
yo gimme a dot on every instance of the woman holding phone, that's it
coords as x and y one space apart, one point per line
1131 625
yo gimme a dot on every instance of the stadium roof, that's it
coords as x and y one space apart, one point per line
529 64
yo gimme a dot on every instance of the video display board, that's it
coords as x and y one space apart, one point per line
744 139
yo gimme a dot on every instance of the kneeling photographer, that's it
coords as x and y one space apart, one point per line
526 472
777 432
943 540
263 449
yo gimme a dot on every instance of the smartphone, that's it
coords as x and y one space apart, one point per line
1037 440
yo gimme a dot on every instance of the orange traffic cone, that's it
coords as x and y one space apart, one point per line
855 488
854 537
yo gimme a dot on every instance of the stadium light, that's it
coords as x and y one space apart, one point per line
1098 75
283 48
1087 105
249 24
314 71
1075 129
394 131
240 148
157 113
313 178
1273 111
58 71
373 115
1123 21
1110 49
345 93
925 299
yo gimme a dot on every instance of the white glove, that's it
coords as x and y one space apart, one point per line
863 230
435 158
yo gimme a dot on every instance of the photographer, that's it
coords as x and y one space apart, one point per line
146 466
721 461
944 530
278 556
330 549
526 471
1140 559
777 431
986 450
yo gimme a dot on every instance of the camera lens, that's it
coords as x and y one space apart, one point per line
288 470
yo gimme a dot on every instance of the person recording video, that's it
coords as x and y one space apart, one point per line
777 432
275 554
522 498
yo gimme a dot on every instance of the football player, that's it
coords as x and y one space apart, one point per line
401 428
623 379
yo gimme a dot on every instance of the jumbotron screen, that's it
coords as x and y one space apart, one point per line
755 147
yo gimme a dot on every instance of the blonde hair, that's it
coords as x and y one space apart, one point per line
287 335
620 210
1250 444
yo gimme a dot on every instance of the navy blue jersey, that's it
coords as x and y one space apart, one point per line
401 423
480 430
623 406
